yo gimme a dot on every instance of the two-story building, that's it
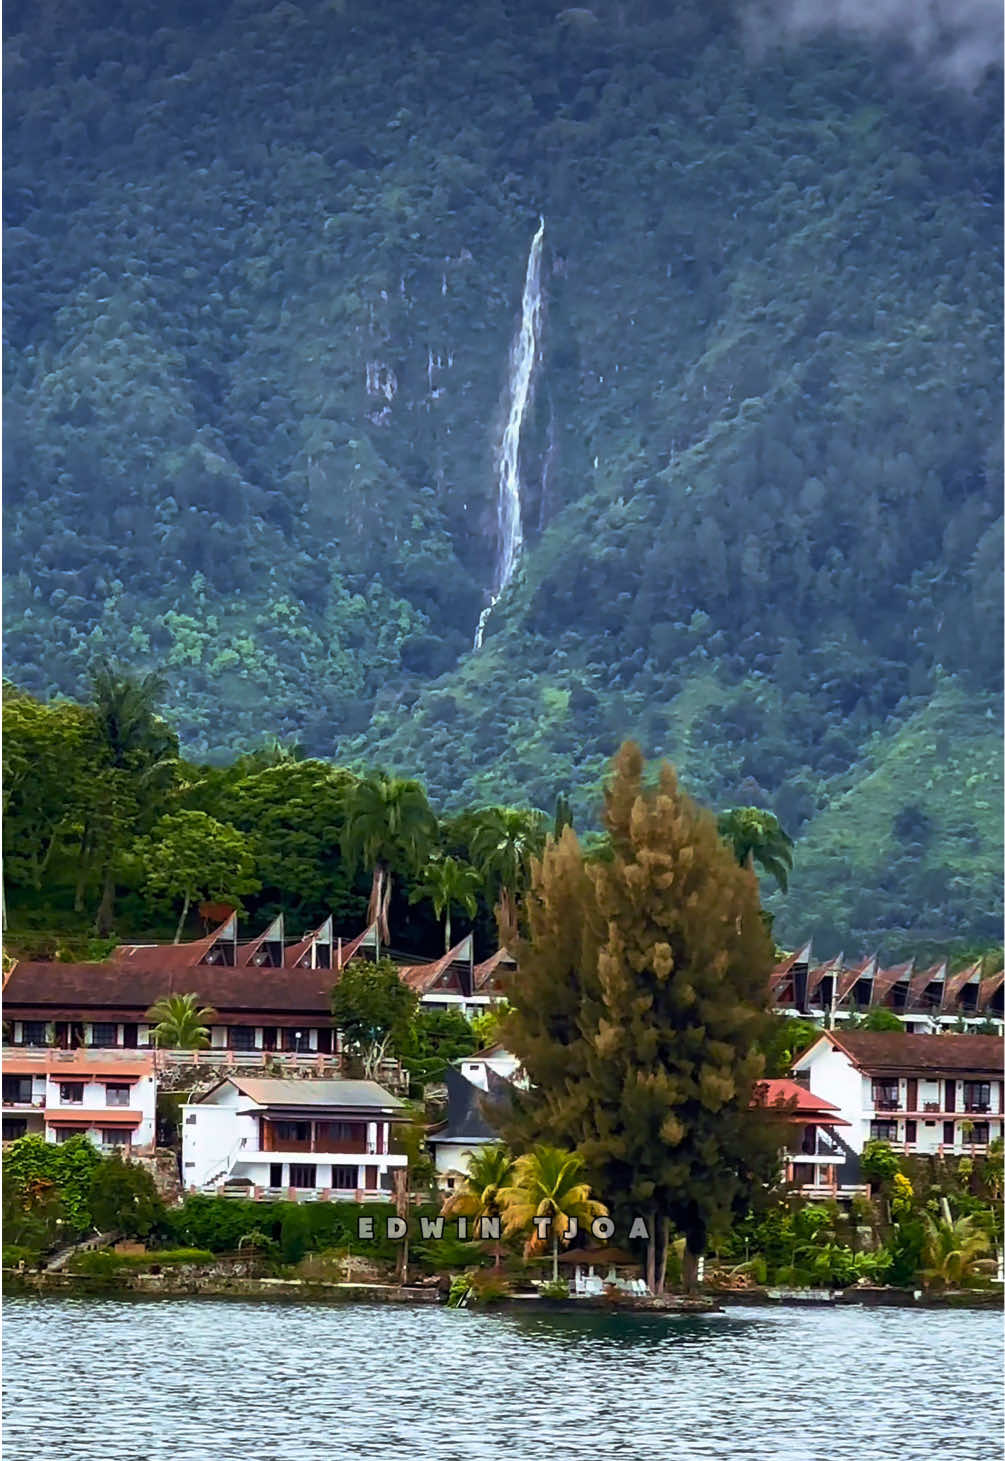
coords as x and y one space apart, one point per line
110 1096
924 1094
814 1156
328 1139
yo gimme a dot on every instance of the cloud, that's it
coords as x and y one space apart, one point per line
956 40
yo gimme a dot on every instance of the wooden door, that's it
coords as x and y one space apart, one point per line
912 1093
950 1096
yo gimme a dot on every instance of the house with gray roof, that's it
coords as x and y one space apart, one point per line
296 1139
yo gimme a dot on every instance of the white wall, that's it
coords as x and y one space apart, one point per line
833 1077
142 1097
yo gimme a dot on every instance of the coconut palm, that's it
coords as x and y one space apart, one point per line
503 842
758 836
388 823
448 883
489 1169
954 1251
546 1183
180 1023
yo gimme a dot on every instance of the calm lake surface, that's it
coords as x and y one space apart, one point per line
182 1380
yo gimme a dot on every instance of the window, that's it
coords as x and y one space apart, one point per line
242 1037
295 1040
117 1095
344 1133
17 1090
883 1131
63 1133
287 1131
190 1119
12 1129
34 1032
977 1095
105 1036
115 1136
303 1175
71 1093
345 1179
979 1135
886 1095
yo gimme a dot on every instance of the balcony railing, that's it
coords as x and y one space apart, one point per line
978 1107
886 1103
31 1103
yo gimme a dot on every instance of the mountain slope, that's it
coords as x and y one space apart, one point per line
263 272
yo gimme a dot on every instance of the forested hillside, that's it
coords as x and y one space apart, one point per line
263 269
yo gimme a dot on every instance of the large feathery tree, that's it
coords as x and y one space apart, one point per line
389 825
548 1183
448 883
640 1000
758 836
490 1169
180 1022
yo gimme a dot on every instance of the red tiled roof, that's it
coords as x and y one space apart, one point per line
817 976
807 1106
990 987
84 1116
483 972
846 983
881 1052
886 978
425 977
175 956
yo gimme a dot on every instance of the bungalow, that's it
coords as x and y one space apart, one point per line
924 1094
110 1096
454 1141
320 1138
815 1159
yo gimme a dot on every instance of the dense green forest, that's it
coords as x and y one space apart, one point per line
263 267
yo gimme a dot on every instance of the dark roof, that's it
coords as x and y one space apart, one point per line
82 989
880 1051
466 1104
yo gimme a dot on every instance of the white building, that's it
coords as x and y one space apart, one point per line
495 1059
924 1094
330 1138
467 1128
108 1095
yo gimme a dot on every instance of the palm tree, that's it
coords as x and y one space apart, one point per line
546 1183
758 836
388 822
954 1251
489 1169
503 842
179 1023
140 754
448 883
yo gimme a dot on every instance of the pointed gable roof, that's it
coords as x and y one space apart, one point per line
817 976
483 975
955 982
782 970
423 978
251 953
934 974
168 957
989 988
851 976
302 955
366 939
886 978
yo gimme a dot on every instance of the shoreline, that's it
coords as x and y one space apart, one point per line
191 1286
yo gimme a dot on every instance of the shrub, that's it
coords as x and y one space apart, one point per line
555 1288
880 1162
15 1253
294 1233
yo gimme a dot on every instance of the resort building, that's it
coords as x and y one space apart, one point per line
924 1094
926 1000
326 1139
480 1067
271 1001
454 1141
814 1155
110 1096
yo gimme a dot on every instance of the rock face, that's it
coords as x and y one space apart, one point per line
163 1168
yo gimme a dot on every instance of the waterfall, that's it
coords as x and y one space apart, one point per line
522 359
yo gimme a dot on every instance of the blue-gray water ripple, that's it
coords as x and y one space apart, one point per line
179 1380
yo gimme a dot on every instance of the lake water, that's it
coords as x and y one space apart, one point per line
183 1380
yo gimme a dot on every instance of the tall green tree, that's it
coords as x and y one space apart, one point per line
758 837
434 1039
389 825
448 883
650 1067
548 1183
180 1023
504 842
124 1199
190 855
372 1009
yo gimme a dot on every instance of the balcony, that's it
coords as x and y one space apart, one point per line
978 1108
886 1103
930 1106
33 1103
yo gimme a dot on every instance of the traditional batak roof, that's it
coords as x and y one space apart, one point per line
886 979
483 974
818 974
439 974
882 1052
955 982
850 977
178 956
781 972
466 1120
989 988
